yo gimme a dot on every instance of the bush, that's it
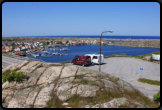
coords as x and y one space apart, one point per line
12 76
157 98
151 59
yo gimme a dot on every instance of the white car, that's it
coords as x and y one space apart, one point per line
95 58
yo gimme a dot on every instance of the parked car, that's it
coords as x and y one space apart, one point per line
95 58
82 60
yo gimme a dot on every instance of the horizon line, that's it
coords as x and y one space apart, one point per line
78 35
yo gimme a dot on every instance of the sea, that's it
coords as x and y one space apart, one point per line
112 37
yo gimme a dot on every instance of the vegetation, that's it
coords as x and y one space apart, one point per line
77 101
138 97
67 42
151 59
13 76
59 42
140 57
84 81
113 79
157 97
158 52
153 82
55 102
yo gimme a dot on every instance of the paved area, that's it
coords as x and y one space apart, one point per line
130 69
6 61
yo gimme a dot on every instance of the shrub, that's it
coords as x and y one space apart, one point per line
12 76
151 59
157 98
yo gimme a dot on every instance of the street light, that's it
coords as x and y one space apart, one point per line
100 47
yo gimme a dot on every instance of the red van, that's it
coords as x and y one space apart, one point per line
82 60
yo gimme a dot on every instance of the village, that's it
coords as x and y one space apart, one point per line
23 48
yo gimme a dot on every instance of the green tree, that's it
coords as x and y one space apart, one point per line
67 42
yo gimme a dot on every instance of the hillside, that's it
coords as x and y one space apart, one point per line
50 85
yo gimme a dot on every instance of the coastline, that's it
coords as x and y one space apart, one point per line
150 43
141 43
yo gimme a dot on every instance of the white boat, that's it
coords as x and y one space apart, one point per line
42 55
35 55
55 53
64 49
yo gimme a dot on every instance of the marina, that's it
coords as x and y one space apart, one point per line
52 55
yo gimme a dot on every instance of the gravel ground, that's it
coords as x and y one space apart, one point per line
128 69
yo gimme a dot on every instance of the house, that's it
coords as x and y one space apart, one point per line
10 49
74 42
23 48
3 50
17 49
64 41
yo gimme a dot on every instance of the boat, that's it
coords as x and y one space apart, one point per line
56 53
35 55
64 49
42 55
46 52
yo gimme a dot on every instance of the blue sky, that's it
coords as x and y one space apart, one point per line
80 18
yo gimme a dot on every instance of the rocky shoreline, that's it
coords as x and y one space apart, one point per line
138 43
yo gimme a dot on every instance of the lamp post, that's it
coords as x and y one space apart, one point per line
100 48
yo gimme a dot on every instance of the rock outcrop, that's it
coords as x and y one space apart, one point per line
47 82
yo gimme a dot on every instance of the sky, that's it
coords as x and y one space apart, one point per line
80 18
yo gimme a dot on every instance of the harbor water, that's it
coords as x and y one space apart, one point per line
107 50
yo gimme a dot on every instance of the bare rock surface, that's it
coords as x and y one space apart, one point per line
62 82
115 103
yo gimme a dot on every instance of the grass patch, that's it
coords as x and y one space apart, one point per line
148 81
13 76
113 79
77 101
80 79
138 97
158 52
85 81
140 56
55 102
